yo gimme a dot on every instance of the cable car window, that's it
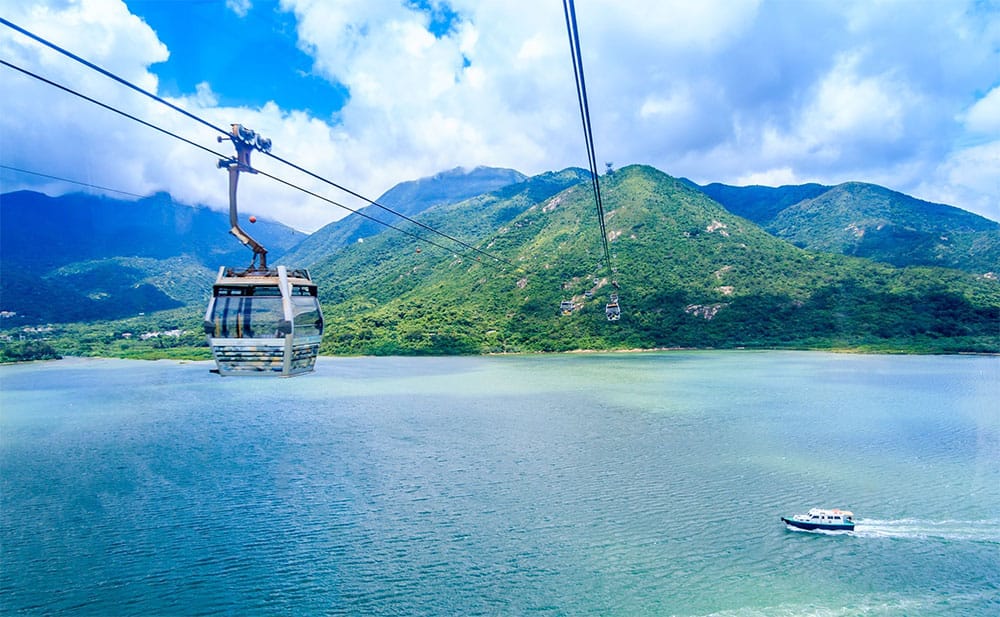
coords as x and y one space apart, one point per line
306 315
246 316
231 291
303 290
269 290
248 290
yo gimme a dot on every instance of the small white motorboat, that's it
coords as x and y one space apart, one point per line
818 518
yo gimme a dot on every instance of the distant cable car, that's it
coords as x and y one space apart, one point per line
612 310
260 321
566 306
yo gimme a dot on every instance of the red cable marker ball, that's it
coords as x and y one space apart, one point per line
253 219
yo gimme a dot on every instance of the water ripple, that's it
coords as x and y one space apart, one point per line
528 489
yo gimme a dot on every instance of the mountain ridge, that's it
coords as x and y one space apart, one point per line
408 198
869 221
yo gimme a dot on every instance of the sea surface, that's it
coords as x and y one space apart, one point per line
590 484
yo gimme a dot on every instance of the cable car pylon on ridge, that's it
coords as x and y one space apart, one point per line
260 320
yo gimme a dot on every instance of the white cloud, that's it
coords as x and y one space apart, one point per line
849 107
984 116
969 176
45 129
762 92
772 177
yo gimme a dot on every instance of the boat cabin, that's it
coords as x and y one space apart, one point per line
831 517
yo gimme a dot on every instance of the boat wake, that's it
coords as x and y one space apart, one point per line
970 531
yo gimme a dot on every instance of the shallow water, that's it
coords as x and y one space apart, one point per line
604 484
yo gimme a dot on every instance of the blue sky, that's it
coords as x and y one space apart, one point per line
252 58
902 93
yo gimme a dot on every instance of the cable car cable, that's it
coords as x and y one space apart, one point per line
612 309
376 204
569 11
224 156
61 179
196 118
109 74
110 108
359 213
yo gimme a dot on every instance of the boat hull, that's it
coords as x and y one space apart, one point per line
812 526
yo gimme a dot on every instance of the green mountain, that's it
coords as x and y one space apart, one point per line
691 274
865 220
82 257
874 222
407 198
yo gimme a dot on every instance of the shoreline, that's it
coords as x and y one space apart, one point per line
833 350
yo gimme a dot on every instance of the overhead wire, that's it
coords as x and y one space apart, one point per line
68 180
224 131
108 74
569 11
108 107
217 154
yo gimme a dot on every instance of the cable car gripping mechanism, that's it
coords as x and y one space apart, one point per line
245 141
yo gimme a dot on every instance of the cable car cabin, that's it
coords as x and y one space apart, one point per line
264 322
566 306
612 310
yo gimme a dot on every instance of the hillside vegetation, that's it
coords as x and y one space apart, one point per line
865 220
691 275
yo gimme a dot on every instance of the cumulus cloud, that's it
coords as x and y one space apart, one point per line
984 116
899 93
47 130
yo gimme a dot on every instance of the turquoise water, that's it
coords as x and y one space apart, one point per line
624 484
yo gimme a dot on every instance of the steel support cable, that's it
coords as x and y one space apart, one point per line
210 151
581 90
61 179
109 107
581 93
110 75
588 127
378 205
196 118
358 212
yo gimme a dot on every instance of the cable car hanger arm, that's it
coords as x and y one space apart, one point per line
245 141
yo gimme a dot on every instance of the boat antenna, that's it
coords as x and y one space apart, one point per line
245 141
